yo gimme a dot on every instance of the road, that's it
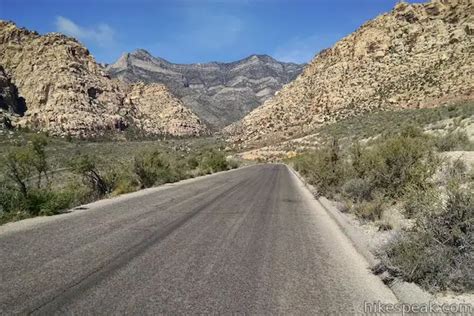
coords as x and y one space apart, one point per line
252 240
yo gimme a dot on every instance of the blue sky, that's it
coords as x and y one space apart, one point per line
189 31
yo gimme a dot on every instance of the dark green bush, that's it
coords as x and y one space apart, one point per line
156 167
11 199
145 167
37 202
47 202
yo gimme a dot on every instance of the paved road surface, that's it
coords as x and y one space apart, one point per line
246 241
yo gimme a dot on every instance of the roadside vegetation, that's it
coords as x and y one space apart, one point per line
441 121
40 175
402 171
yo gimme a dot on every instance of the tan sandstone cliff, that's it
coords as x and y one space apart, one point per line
417 55
68 93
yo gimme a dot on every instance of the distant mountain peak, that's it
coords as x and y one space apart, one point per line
220 93
141 51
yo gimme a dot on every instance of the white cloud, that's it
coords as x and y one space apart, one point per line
303 49
103 34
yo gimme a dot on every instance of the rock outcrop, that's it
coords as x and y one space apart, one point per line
68 93
156 109
10 102
219 93
417 55
11 105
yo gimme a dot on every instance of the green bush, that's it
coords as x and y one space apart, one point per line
145 167
125 183
11 199
37 202
398 163
213 161
324 168
192 162
156 167
46 202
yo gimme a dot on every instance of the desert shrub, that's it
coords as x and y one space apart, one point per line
457 170
19 168
192 162
144 166
178 167
213 161
437 253
36 202
39 158
86 167
416 201
11 199
156 167
358 189
48 202
400 162
453 140
370 210
121 179
323 168
233 164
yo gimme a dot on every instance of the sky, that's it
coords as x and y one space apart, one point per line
193 31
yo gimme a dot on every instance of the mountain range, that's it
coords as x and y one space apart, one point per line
416 55
219 93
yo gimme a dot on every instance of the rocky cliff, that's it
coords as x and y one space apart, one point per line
68 93
417 55
12 106
219 93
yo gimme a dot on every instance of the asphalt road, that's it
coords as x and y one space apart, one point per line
247 241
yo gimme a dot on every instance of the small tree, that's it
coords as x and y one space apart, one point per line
87 168
19 168
145 167
38 145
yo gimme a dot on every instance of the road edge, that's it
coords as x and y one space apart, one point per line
32 222
405 292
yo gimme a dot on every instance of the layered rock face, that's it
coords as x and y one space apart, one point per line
219 93
68 93
417 55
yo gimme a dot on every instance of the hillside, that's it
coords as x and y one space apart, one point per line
219 93
68 93
417 55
